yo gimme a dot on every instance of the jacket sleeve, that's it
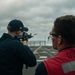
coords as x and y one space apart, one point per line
25 55
41 70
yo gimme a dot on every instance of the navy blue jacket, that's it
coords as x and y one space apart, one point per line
13 54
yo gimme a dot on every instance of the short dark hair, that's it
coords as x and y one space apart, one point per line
65 27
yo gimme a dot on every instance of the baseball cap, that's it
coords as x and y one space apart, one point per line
16 25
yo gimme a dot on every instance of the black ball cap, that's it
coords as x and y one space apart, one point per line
16 25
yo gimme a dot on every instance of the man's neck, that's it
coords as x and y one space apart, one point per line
65 47
12 34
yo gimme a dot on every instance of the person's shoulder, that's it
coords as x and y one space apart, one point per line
41 65
15 42
41 70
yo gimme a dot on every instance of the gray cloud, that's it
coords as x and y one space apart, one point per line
37 15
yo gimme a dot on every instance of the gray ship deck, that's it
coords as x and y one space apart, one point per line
41 53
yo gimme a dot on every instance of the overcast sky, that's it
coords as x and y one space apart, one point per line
37 15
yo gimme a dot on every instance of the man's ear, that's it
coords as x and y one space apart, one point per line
59 40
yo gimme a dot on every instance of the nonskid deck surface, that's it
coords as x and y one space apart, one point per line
41 53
